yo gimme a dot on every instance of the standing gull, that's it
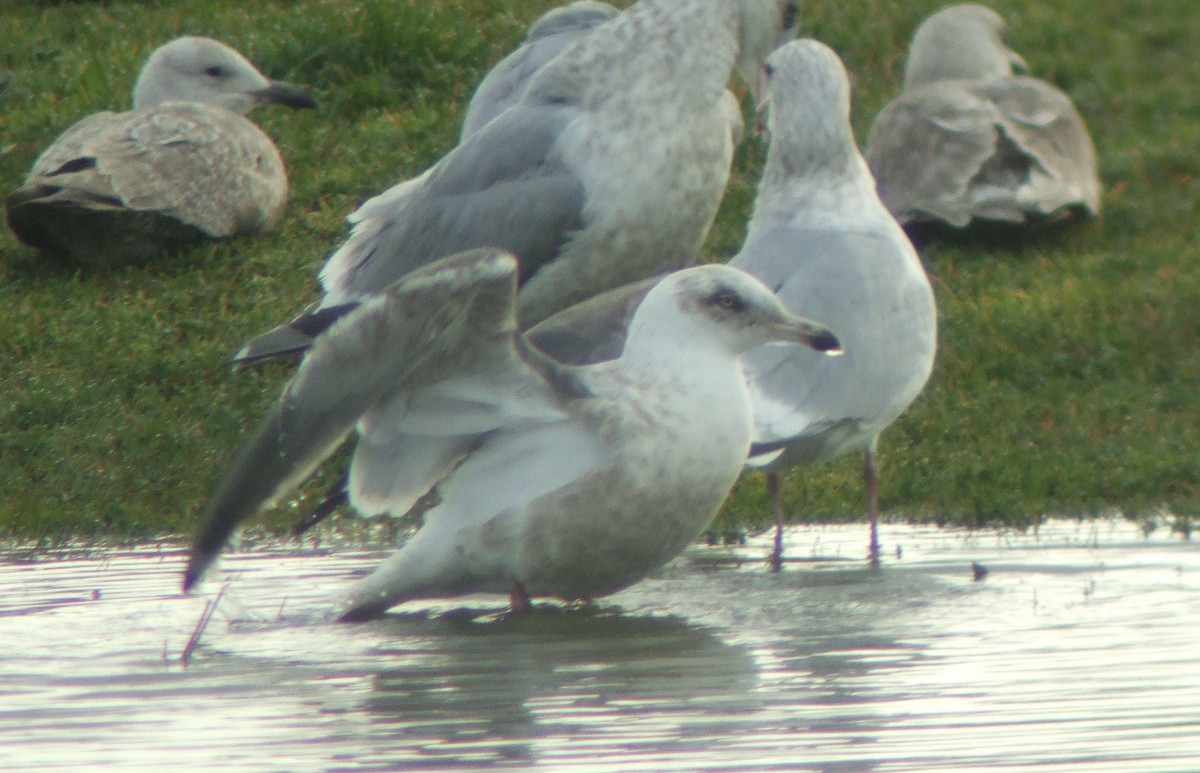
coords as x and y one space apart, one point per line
822 240
610 167
553 480
184 165
967 140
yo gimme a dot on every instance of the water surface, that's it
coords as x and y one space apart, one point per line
1080 650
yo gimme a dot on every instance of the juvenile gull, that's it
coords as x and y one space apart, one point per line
184 165
822 240
608 169
968 140
554 480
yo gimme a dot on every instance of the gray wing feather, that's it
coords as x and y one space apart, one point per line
593 330
1041 120
887 341
508 81
430 327
926 147
505 187
1000 149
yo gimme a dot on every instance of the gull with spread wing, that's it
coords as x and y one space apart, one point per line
552 480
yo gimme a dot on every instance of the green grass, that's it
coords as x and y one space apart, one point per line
1067 379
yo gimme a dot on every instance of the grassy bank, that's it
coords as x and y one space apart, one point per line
1067 380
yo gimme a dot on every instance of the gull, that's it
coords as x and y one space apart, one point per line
552 480
821 238
823 241
969 141
184 165
608 169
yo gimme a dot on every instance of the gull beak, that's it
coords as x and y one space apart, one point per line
286 94
814 335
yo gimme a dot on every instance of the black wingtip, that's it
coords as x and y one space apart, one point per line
827 342
195 570
291 340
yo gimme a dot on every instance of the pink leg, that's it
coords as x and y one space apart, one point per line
518 599
871 479
775 491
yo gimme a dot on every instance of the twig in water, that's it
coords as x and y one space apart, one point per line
210 608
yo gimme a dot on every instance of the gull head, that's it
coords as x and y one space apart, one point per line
960 42
196 69
765 26
726 307
808 95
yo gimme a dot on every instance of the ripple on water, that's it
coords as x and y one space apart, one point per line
1077 651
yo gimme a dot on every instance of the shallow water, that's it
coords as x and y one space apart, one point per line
1079 651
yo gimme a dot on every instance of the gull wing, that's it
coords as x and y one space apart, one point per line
799 394
925 147
1043 123
201 165
435 356
504 187
549 36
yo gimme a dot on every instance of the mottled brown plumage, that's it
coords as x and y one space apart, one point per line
184 165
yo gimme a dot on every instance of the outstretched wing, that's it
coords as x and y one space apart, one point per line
435 356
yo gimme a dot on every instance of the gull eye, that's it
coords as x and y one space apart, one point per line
214 72
728 300
769 70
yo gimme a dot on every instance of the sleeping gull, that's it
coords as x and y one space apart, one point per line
610 167
184 165
548 37
553 480
968 140
822 240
